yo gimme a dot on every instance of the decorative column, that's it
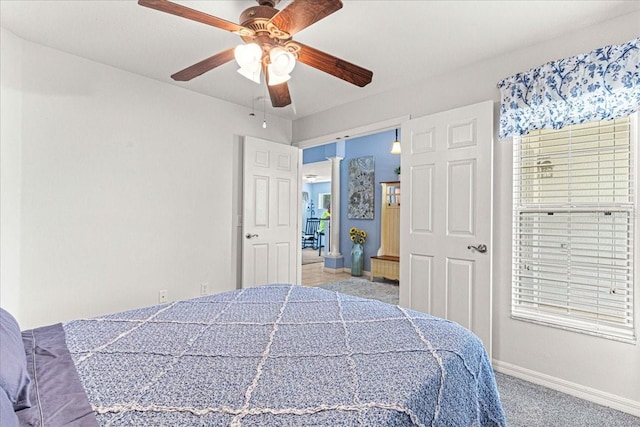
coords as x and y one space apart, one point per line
334 259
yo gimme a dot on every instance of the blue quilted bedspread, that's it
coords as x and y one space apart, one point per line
283 355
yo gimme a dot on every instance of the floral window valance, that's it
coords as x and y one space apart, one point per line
603 84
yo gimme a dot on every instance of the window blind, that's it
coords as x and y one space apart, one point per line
574 227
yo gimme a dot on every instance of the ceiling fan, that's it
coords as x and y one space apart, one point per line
267 33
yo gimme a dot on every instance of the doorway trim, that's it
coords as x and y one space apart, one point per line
356 132
368 129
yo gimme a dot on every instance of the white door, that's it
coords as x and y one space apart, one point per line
270 213
447 209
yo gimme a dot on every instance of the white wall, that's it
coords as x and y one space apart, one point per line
126 187
597 368
10 165
465 86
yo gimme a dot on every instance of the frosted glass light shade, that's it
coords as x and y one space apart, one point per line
395 148
274 77
248 56
282 61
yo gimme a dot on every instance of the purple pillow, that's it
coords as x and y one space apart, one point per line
14 377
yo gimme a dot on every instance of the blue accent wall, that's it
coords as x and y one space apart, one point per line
319 153
378 146
323 152
314 190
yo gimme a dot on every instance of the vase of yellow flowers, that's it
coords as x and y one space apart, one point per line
358 238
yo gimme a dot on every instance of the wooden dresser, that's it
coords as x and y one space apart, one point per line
387 263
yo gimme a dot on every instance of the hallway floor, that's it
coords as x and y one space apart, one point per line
313 275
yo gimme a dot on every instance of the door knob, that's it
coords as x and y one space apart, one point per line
250 236
482 248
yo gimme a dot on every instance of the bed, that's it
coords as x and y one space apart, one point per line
277 355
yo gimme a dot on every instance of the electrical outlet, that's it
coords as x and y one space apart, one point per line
162 296
204 289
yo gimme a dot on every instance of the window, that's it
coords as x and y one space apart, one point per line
324 199
574 225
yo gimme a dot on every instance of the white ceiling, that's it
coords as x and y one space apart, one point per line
400 41
316 172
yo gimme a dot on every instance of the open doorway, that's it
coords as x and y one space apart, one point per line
376 150
316 196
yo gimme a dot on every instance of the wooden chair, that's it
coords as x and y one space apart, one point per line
310 235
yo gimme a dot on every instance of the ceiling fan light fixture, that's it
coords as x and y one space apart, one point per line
267 30
248 56
282 61
254 76
275 78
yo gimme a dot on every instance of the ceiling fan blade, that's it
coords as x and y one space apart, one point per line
280 96
203 66
302 13
335 66
195 15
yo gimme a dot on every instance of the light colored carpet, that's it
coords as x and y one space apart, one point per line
358 287
310 256
531 405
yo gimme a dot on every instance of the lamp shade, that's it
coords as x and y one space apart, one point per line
248 56
282 61
395 148
275 78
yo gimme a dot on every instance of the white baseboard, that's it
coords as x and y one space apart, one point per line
365 273
591 394
333 270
